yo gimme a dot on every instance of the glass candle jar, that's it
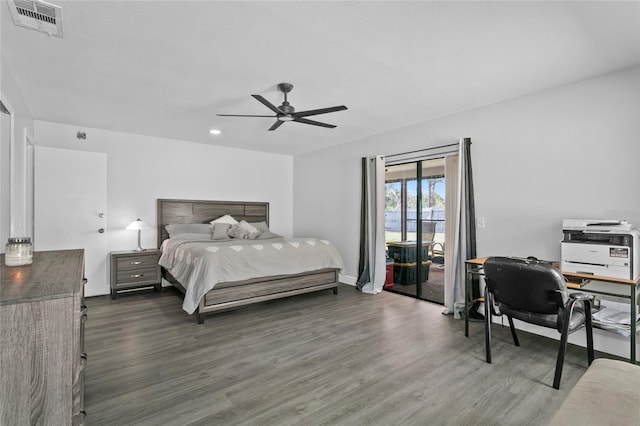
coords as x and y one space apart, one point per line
18 252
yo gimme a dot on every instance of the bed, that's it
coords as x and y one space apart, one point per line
209 292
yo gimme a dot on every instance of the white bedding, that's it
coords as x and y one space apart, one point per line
200 264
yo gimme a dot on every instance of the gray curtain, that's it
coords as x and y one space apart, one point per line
462 227
371 267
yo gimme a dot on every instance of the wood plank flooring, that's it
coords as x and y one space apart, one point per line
315 359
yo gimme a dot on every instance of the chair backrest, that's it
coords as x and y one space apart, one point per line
526 285
428 231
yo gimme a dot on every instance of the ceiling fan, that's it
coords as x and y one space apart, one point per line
286 111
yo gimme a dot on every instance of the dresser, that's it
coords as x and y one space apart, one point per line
42 358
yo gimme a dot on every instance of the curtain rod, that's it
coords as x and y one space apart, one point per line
421 150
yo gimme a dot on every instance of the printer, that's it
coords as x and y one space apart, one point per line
608 248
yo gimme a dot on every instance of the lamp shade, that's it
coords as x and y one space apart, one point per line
137 225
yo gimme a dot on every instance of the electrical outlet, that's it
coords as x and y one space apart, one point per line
480 222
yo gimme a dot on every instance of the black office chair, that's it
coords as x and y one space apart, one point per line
535 292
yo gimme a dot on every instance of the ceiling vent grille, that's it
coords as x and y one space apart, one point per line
37 15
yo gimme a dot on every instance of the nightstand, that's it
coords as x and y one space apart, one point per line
135 269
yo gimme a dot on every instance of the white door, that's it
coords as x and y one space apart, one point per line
70 208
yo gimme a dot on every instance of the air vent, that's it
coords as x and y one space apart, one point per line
37 15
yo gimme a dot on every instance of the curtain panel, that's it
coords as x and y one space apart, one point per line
451 171
372 265
461 225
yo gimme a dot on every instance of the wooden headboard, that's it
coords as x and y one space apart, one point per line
202 211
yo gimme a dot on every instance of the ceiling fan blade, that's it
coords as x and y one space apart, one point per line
268 104
243 115
319 111
277 124
313 122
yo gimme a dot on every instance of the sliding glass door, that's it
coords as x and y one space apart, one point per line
414 229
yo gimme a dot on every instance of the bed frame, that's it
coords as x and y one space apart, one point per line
230 295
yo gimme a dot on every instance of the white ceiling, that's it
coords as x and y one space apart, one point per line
165 68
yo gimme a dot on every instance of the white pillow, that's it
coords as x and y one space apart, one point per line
224 219
252 229
238 232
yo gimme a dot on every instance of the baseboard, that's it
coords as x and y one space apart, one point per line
347 279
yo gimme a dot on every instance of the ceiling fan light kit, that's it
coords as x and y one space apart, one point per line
286 111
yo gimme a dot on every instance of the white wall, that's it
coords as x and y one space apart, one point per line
141 169
568 152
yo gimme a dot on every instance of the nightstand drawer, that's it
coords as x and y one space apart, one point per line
137 262
137 276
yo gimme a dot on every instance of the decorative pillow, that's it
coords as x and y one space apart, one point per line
253 231
220 231
225 219
187 228
238 232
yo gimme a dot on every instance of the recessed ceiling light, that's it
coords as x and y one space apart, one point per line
215 131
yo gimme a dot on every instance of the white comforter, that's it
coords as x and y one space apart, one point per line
200 264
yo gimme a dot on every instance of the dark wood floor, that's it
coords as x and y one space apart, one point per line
316 359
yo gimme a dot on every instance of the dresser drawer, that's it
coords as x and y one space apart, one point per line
137 262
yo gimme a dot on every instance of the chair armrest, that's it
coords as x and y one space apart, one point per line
564 314
587 301
580 296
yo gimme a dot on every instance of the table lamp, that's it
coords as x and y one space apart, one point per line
137 225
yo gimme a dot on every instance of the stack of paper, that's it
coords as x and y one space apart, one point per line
614 319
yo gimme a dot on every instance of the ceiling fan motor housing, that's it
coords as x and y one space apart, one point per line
287 108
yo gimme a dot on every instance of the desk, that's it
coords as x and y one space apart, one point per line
474 267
